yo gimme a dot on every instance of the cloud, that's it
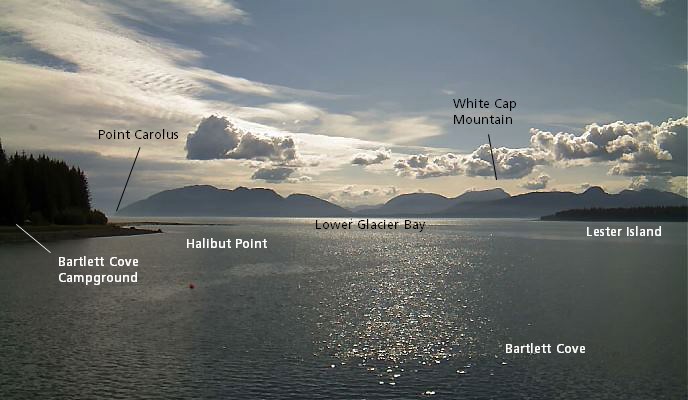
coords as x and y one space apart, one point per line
635 148
654 6
352 195
255 147
538 183
630 149
376 126
663 183
274 175
90 38
211 10
217 138
213 139
300 179
423 166
293 112
510 163
376 157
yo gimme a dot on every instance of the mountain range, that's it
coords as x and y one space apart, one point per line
205 200
429 203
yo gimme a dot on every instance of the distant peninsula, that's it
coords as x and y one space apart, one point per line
669 214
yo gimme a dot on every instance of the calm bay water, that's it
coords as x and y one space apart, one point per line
351 314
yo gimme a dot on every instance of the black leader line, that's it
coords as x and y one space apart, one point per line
492 155
125 185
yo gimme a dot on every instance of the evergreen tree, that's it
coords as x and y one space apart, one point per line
44 191
4 197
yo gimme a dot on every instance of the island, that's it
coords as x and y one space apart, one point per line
669 214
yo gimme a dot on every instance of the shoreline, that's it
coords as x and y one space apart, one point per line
161 223
48 233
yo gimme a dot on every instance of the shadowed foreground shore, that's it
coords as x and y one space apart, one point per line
12 234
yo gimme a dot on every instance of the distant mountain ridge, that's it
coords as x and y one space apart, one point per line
429 203
537 204
205 200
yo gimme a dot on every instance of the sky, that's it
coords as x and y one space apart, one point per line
350 101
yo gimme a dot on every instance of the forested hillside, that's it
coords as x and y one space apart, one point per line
43 190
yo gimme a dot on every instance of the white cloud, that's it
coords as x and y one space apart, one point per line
213 139
286 113
351 195
423 166
256 147
654 6
663 183
217 138
368 158
510 163
637 148
631 149
388 129
538 183
213 10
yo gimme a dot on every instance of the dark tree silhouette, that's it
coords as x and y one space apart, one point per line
43 190
679 213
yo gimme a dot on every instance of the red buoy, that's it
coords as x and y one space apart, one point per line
191 286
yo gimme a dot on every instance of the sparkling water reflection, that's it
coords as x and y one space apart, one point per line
352 314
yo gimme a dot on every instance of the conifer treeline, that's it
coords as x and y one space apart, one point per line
660 213
43 190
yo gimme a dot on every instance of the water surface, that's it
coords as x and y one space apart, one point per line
351 314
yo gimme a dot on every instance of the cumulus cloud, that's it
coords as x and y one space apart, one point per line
217 138
279 175
538 183
274 175
423 166
298 179
376 157
630 149
255 147
510 163
663 183
636 149
654 6
352 195
213 139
